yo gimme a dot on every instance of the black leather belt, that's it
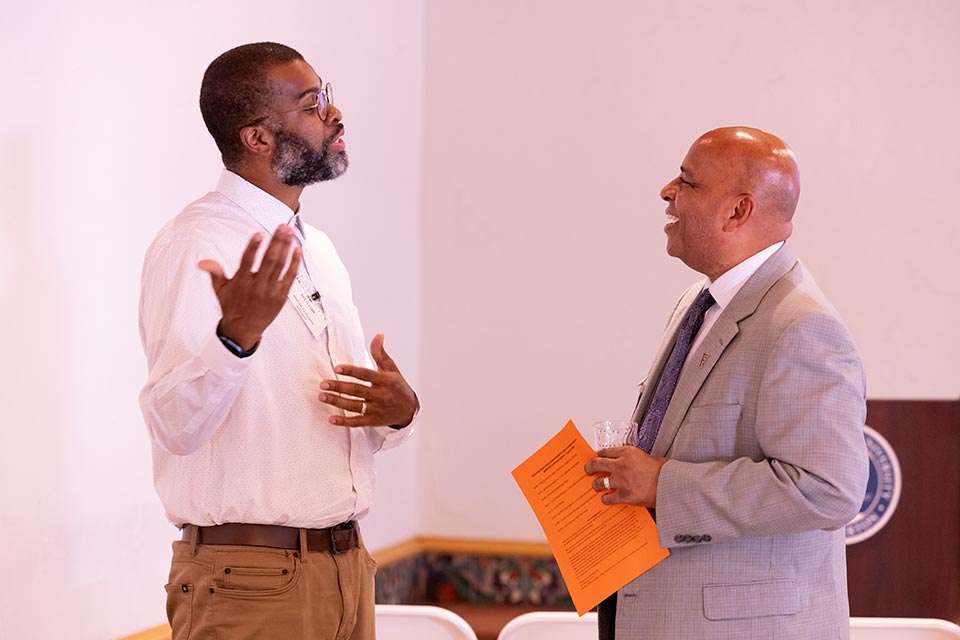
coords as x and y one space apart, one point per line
337 539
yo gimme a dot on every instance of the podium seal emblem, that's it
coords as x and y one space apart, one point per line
883 489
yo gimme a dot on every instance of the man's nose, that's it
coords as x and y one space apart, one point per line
333 115
669 190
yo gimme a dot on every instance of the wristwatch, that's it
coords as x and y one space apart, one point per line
235 348
416 410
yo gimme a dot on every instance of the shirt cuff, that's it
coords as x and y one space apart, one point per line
219 360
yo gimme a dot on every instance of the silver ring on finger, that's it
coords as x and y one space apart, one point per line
606 483
363 407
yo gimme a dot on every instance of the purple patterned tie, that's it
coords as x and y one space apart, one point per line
671 371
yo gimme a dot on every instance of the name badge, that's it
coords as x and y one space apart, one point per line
306 301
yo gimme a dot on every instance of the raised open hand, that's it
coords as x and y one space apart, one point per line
386 401
250 300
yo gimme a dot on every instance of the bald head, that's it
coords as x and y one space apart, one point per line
761 164
736 195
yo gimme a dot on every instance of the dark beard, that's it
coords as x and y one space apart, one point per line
297 164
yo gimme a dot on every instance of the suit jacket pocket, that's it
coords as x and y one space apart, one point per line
713 413
751 599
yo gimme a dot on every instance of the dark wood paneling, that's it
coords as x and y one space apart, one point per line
911 568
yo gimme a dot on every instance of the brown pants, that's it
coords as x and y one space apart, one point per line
233 592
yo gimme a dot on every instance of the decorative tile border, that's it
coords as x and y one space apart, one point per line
475 578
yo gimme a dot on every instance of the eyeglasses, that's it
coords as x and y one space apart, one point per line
324 100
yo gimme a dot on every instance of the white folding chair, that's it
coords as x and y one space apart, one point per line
415 622
554 625
903 629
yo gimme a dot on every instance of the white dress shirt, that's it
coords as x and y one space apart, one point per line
247 440
725 288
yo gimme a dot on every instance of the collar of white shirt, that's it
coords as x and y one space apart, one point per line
260 205
724 288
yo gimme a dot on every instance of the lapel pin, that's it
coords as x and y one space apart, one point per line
703 359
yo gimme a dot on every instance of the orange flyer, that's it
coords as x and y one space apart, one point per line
598 547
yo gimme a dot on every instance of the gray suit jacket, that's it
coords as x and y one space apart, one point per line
767 463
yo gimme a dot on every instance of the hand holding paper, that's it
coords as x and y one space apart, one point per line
631 474
599 548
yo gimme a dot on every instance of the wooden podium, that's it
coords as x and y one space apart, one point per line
911 567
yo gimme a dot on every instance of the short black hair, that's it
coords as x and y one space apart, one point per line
235 91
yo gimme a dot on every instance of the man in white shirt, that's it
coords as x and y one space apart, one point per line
750 442
262 403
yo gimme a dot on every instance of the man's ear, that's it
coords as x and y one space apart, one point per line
742 211
257 140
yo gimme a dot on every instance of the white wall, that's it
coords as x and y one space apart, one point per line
102 143
550 130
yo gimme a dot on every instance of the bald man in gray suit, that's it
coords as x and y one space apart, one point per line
751 441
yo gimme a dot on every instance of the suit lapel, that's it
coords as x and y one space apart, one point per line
693 375
663 351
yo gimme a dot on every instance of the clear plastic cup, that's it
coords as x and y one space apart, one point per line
615 433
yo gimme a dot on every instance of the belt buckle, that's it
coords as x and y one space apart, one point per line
333 537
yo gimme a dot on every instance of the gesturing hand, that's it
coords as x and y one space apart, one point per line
250 300
632 476
387 401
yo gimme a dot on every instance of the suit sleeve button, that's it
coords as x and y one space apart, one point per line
705 538
697 538
678 538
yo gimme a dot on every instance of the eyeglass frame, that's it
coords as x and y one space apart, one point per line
324 100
